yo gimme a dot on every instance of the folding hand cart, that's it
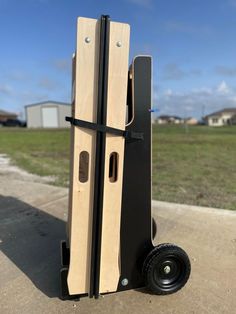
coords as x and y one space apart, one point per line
109 246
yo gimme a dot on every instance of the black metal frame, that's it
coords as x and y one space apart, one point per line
136 221
100 157
129 135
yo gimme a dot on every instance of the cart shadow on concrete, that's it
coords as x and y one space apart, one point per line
30 238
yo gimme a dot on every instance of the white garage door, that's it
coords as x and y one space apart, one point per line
50 117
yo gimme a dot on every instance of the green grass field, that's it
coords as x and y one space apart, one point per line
195 166
43 152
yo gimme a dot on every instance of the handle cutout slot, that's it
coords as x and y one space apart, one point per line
113 167
83 166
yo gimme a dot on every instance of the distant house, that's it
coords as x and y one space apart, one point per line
47 114
191 121
5 115
166 119
223 117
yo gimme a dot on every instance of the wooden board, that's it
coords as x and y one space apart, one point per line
116 116
72 130
81 193
80 214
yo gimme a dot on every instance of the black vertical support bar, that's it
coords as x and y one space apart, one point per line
100 157
135 234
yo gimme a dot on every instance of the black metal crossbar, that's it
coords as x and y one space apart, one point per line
129 135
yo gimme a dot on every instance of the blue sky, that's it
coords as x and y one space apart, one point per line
192 43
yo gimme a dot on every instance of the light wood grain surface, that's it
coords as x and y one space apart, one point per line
81 204
116 116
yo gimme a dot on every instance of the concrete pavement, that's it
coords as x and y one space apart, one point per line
32 223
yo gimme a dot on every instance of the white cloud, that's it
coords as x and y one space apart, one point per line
233 98
188 108
192 102
5 89
173 71
168 92
223 88
203 90
225 70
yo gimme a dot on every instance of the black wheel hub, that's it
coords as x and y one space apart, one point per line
169 272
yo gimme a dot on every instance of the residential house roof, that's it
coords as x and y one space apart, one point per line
48 101
220 112
7 113
167 117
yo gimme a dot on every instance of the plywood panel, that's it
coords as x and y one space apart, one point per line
116 115
81 194
72 131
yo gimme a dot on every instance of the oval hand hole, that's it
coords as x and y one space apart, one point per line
83 166
113 167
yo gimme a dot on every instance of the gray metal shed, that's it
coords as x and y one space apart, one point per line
47 114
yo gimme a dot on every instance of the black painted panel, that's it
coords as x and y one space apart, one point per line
136 240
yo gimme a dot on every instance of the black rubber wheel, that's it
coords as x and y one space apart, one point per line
154 228
166 269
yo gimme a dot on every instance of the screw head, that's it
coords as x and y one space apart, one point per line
87 40
167 269
124 282
118 44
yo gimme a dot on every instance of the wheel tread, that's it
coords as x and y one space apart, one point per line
160 249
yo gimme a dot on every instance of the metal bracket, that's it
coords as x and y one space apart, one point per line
130 136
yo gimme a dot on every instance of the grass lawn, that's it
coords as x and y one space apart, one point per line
196 167
43 152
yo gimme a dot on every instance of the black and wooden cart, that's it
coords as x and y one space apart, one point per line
110 229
